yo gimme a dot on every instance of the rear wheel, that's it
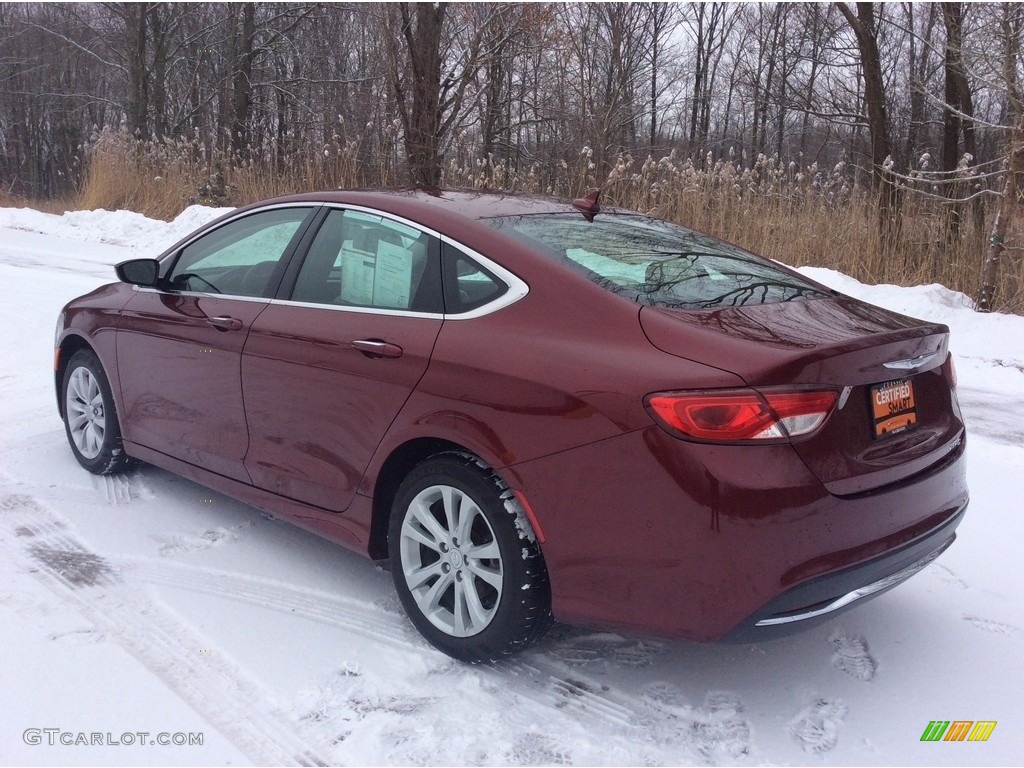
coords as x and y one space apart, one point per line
465 562
90 418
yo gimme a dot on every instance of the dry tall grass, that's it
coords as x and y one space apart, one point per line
798 215
160 178
57 205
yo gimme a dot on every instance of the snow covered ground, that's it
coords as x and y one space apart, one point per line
145 604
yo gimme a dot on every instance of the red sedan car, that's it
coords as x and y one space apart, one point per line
533 409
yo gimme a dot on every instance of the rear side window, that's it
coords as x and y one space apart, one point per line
467 285
657 263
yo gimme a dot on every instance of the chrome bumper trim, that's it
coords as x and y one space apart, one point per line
859 593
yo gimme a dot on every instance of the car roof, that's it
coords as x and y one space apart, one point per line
457 213
470 204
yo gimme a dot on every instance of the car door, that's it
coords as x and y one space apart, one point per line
325 371
179 346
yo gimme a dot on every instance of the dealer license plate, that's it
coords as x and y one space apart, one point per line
894 407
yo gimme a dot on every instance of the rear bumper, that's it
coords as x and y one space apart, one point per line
823 598
648 534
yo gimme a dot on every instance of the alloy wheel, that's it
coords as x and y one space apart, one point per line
451 561
85 411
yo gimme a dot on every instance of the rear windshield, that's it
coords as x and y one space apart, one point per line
655 262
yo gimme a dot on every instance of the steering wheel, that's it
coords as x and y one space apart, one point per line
186 277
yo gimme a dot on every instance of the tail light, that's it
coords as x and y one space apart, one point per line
742 415
951 371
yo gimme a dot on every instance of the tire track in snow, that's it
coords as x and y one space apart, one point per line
552 685
548 683
218 689
538 676
122 488
551 676
316 605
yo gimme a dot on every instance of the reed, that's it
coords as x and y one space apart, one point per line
800 215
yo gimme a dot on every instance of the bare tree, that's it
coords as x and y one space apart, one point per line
1011 29
864 26
434 52
550 95
710 30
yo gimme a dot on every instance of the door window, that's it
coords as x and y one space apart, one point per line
362 260
240 257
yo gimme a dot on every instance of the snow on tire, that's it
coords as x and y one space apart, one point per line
90 417
466 564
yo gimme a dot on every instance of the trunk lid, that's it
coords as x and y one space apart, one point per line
845 344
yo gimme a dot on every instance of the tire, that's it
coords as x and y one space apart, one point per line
90 417
480 598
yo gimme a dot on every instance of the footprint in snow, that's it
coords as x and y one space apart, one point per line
816 728
988 625
947 575
723 726
17 502
183 543
537 749
852 656
665 695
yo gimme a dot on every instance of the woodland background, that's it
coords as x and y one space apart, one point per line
883 140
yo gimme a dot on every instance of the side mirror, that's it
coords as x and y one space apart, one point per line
145 272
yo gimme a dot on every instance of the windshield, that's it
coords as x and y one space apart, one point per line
655 262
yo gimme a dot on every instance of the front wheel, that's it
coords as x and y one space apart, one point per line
465 562
90 418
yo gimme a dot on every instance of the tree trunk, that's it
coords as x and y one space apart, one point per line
160 43
781 120
958 105
241 85
138 75
952 15
1010 199
762 144
698 77
494 112
657 14
889 199
421 116
918 66
1008 202
816 45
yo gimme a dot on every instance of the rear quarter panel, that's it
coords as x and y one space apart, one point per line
565 366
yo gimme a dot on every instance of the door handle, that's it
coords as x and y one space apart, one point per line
376 349
225 323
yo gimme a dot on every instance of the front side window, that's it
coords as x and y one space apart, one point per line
240 257
657 263
362 260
